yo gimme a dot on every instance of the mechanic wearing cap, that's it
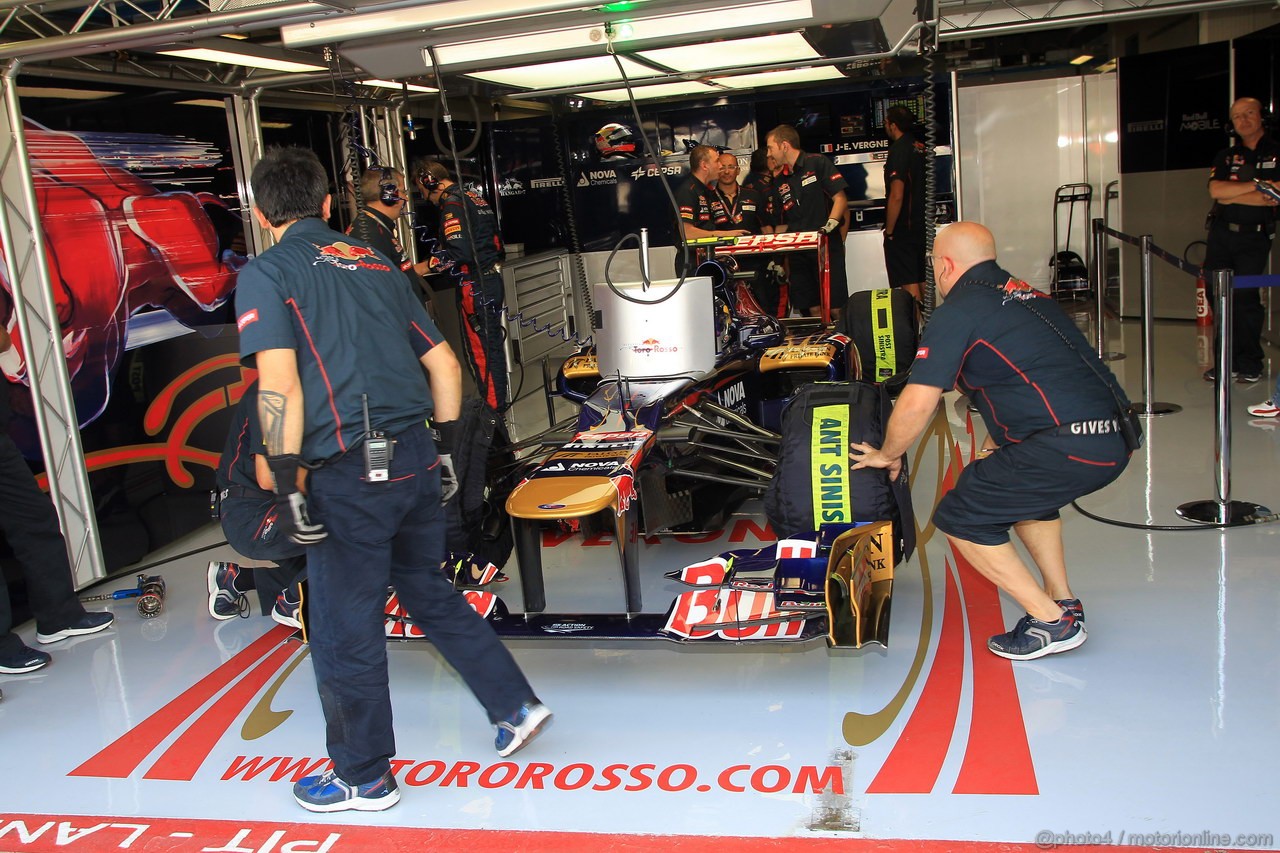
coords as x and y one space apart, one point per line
469 245
383 197
1241 224
340 341
701 212
1051 407
813 199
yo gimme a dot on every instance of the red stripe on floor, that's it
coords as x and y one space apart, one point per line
184 757
121 757
83 834
916 759
997 759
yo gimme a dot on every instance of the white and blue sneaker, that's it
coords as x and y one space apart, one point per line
328 793
226 600
521 727
1031 638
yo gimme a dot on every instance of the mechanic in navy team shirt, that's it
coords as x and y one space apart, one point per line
813 198
469 243
335 332
1052 424
702 214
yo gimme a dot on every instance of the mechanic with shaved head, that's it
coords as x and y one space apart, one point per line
1052 412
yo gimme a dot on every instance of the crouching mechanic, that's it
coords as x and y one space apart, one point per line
1052 424
250 519
340 342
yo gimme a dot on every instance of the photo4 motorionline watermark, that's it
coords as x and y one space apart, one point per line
1048 839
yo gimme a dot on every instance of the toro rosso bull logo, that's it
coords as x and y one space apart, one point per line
1019 290
348 257
624 483
652 346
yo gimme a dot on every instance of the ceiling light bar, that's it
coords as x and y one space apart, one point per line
778 78
399 87
435 16
229 57
660 90
708 56
569 72
632 30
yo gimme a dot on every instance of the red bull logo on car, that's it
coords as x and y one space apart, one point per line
624 482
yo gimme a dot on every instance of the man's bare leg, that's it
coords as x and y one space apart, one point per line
1044 542
1001 565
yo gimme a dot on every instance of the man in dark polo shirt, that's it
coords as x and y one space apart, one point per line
904 203
382 200
470 244
350 368
701 212
813 199
1053 433
1241 225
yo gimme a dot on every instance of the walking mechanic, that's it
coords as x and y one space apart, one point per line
340 343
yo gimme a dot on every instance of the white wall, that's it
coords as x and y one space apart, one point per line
1019 142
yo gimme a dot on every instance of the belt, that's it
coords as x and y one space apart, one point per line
244 492
1245 229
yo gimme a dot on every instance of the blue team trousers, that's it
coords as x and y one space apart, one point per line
380 534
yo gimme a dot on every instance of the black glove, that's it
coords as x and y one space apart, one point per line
830 226
293 518
446 440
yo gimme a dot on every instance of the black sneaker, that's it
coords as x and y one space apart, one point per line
1031 638
226 601
23 659
1072 606
1246 377
1212 373
89 623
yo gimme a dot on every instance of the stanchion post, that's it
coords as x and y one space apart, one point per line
1222 284
1099 284
1222 510
1100 289
1149 408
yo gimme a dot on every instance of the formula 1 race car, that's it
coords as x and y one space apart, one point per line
675 453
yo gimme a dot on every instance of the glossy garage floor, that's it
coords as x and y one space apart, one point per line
1163 730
